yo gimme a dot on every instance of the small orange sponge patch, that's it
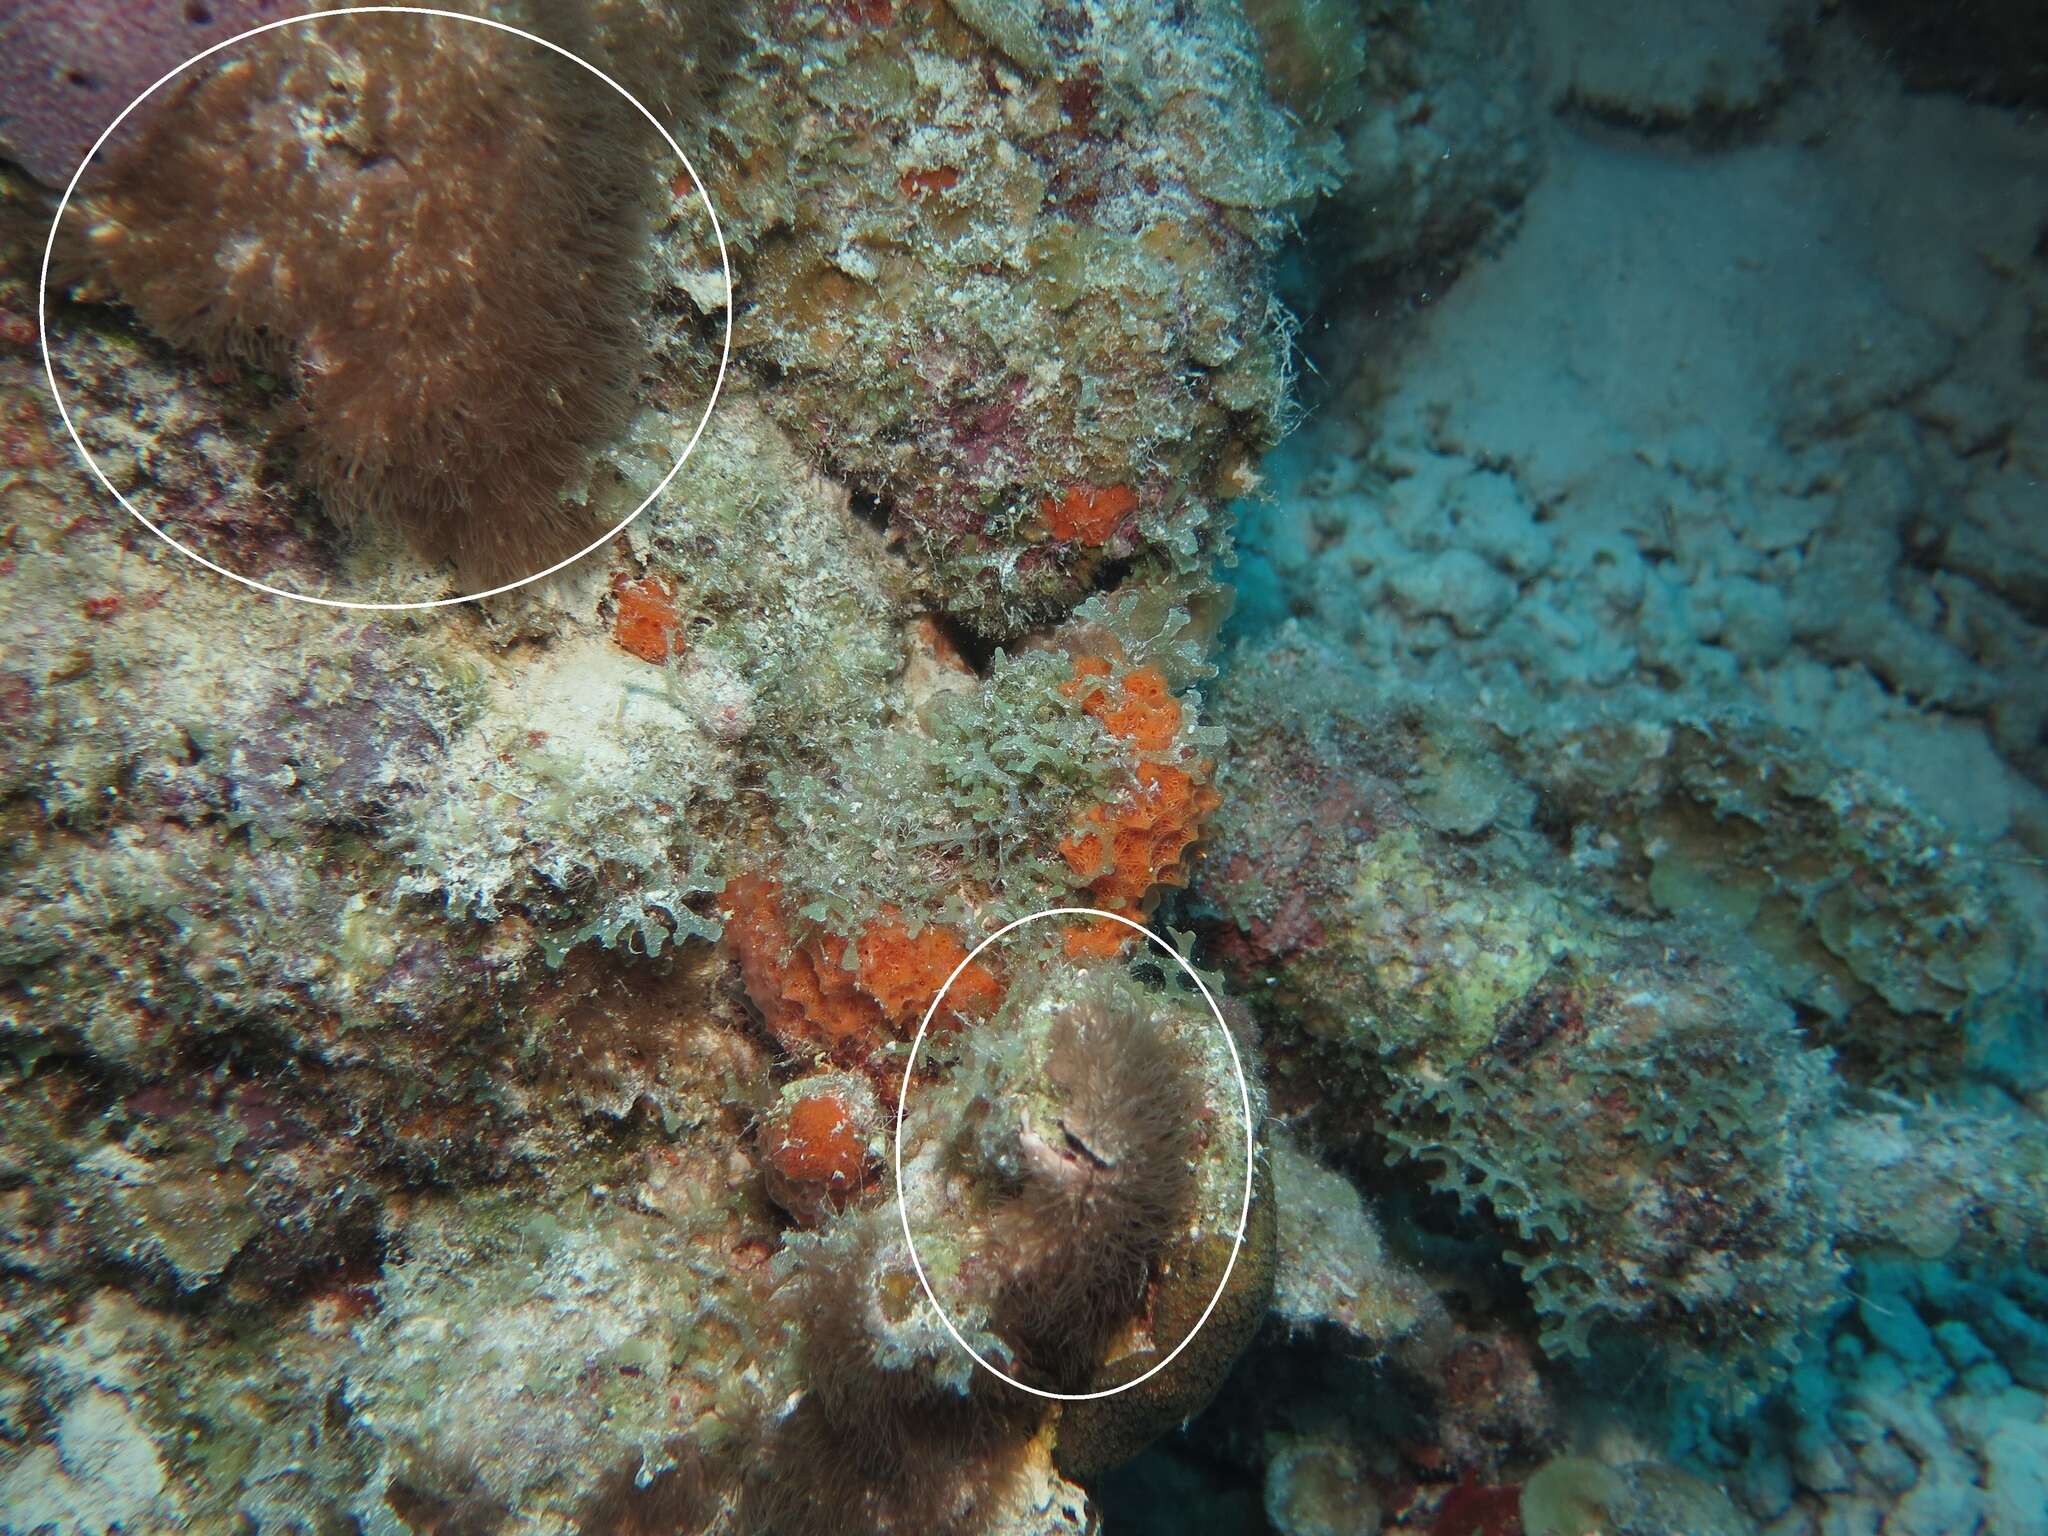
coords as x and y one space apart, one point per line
644 622
814 1001
1087 514
807 995
1126 850
904 971
1139 710
815 1138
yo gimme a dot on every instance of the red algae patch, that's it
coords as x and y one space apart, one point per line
807 995
919 184
1140 709
1474 1509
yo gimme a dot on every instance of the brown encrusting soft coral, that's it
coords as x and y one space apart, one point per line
1103 1184
435 233
1074 1175
432 230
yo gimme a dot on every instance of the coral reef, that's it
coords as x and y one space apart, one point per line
1332 1267
468 1046
1434 986
1028 321
1924 1412
1710 660
1823 522
455 1059
1627 1095
1890 945
1722 69
1560 506
1936 1181
1440 150
1577 1496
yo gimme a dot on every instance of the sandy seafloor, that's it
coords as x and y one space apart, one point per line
1735 415
1684 371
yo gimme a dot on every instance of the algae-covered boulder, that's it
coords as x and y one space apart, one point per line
1438 990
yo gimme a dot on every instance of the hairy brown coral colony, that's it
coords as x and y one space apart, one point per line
431 228
1105 1183
1073 1174
1067 1175
891 1432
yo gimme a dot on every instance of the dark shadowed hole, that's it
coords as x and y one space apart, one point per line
870 509
1172 1489
976 650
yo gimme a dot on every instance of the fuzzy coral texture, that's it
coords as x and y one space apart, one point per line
456 1060
308 205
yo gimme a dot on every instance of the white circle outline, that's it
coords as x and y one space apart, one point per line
50 371
1250 1155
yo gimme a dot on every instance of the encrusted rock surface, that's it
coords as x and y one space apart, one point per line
455 1055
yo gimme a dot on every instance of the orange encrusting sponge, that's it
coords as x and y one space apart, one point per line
1088 514
903 971
807 995
1128 849
815 1139
644 622
814 1002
